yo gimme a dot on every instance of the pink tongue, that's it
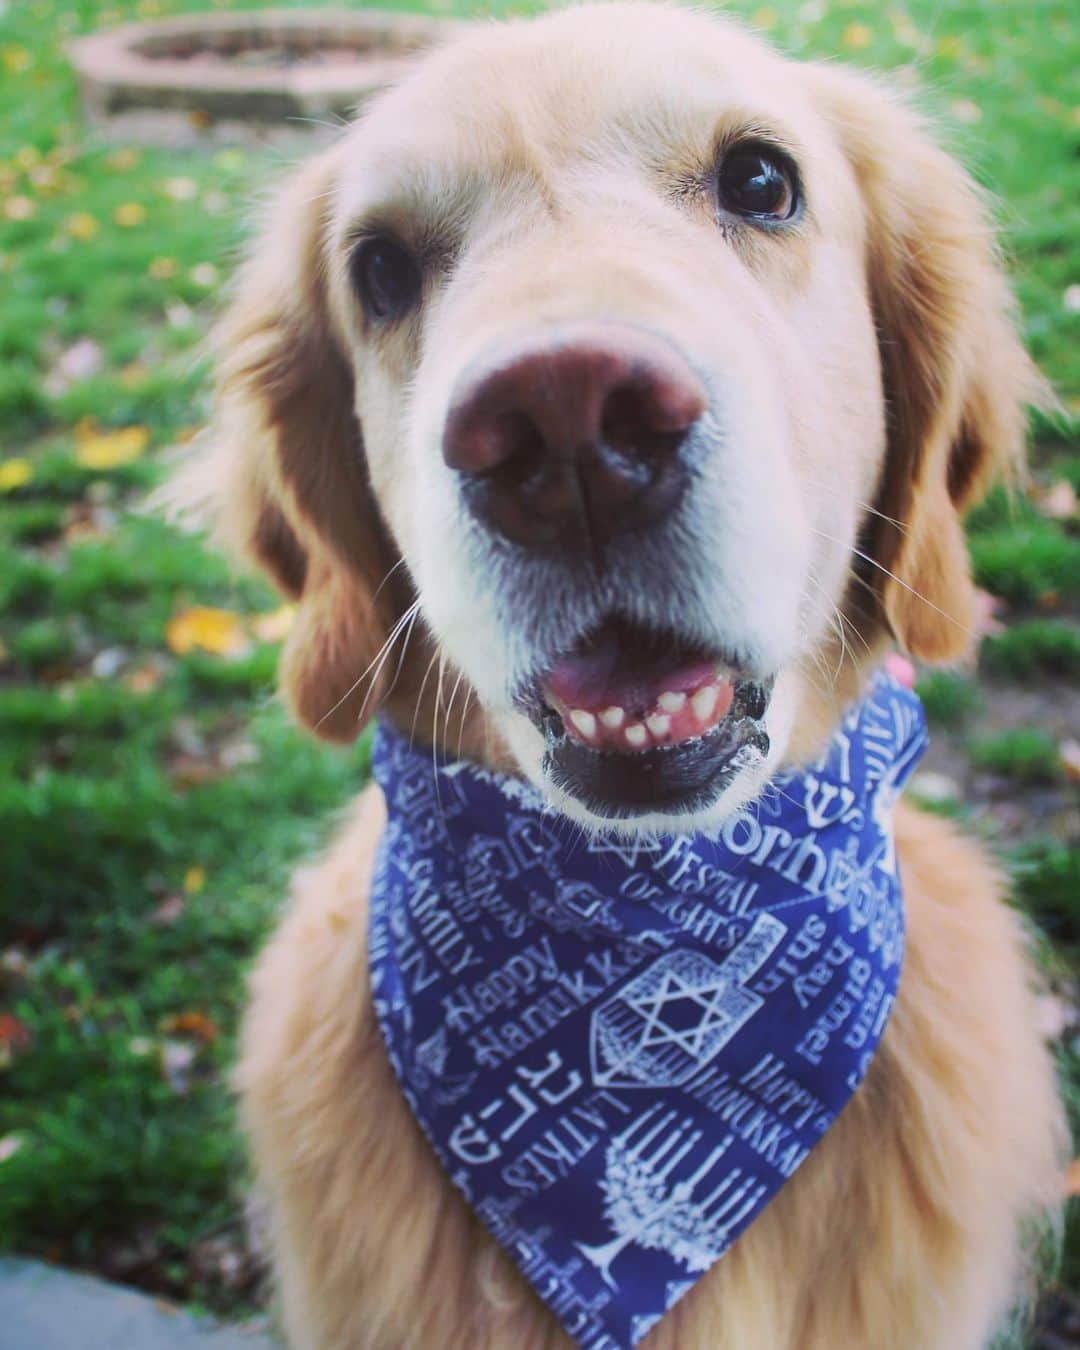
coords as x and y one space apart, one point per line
592 682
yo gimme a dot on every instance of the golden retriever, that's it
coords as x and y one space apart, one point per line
640 219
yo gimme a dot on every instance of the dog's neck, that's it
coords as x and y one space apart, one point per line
573 1017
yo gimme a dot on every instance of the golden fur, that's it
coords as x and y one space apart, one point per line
903 1230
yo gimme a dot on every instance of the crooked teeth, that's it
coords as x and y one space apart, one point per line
636 735
672 701
704 701
612 717
584 721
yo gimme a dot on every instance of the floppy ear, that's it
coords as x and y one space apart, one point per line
280 471
957 380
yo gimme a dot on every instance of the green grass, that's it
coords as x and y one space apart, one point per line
948 697
151 803
1026 755
1034 647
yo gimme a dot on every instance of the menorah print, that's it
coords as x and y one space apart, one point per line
692 1216
673 1018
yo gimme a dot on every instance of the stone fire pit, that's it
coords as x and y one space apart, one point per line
220 75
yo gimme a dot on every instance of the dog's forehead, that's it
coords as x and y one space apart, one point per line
530 96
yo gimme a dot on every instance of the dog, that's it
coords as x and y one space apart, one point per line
608 398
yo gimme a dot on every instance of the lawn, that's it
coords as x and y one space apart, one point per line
152 793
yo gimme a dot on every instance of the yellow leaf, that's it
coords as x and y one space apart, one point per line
143 680
124 158
14 473
110 449
966 111
950 47
194 880
17 59
82 225
180 189
857 37
274 626
203 274
19 207
129 214
161 269
218 631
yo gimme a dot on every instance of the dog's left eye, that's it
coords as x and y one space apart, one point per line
757 182
386 277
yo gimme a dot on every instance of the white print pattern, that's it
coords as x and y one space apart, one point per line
655 1204
679 1013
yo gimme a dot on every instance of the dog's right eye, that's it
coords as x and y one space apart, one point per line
387 278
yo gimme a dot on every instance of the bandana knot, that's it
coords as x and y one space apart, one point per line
621 1050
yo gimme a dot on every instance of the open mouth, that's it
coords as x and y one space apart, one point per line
637 721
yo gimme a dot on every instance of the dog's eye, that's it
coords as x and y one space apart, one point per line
758 182
387 278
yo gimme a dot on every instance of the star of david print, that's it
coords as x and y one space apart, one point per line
679 1013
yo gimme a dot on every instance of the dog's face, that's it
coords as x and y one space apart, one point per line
648 371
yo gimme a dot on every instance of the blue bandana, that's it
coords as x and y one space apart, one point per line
621 1051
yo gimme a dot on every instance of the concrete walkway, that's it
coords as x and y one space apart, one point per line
45 1308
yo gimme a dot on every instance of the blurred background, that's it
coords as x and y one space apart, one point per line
152 793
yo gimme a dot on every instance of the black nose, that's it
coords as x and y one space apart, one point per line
575 439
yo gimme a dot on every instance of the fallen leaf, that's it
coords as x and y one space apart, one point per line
965 111
177 1061
934 787
984 623
17 59
82 226
202 628
110 449
856 37
203 274
14 473
20 207
1056 502
1053 1016
194 880
109 662
192 1023
81 360
123 159
188 772
274 626
14 1036
180 189
15 963
144 679
128 215
168 912
9 1146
